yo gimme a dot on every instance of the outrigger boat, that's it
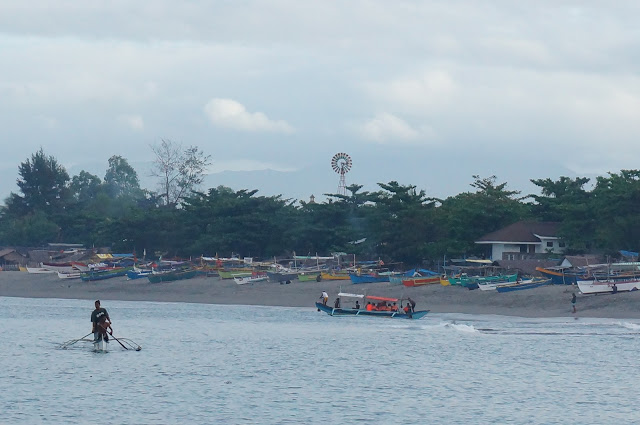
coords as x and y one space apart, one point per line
362 311
101 346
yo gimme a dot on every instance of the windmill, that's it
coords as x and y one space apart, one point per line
341 164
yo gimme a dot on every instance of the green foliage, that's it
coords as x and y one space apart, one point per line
397 223
43 186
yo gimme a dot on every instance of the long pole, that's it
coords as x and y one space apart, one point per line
118 341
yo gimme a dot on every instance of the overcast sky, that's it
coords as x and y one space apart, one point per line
423 92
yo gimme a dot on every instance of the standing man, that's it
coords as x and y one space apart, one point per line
573 302
100 322
324 297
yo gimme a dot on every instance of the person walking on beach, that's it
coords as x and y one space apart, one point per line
324 297
100 322
573 302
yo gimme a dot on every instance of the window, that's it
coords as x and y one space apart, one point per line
549 244
561 244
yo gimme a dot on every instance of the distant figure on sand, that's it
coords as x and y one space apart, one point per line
324 297
614 289
573 301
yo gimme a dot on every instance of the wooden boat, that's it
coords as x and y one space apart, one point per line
334 276
606 286
230 274
362 311
138 273
59 267
525 284
489 283
560 277
172 276
39 270
243 280
282 277
474 281
102 274
368 278
309 277
73 275
420 280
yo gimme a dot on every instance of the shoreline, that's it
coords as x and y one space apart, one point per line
543 302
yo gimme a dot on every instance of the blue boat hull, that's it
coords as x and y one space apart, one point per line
353 312
368 278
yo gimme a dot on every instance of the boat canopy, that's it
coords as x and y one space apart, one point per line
372 297
346 294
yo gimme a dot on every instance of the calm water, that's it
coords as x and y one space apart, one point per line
264 365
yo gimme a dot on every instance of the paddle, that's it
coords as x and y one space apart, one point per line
123 346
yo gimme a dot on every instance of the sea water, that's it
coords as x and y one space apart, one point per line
264 365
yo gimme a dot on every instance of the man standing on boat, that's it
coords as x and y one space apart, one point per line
100 322
324 297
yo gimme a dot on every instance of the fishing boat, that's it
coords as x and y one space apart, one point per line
230 274
309 277
172 276
39 270
420 280
243 280
362 311
334 276
281 277
369 277
59 267
72 275
562 276
490 283
605 286
138 273
102 274
525 284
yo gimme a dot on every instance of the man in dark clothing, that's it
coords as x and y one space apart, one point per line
100 322
413 304
573 302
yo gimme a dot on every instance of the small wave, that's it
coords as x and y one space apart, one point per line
631 326
461 327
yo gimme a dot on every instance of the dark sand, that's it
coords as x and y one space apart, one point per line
549 301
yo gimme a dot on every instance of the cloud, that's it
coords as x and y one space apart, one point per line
247 165
134 121
231 114
385 128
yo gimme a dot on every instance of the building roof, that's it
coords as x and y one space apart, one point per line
6 251
522 231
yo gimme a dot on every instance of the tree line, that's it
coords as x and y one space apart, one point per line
395 223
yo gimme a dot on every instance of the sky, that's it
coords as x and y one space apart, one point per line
425 93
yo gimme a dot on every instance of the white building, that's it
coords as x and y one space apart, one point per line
521 240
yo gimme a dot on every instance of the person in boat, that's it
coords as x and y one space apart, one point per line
336 304
413 304
324 297
394 307
357 307
408 310
369 306
100 322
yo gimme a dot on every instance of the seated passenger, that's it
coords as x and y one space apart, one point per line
394 307
369 306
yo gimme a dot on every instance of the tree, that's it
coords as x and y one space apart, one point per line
43 184
85 186
179 172
121 180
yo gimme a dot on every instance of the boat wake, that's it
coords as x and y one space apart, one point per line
630 326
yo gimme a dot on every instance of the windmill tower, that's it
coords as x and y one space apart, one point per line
341 164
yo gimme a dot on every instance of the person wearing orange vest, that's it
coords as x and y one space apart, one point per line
369 306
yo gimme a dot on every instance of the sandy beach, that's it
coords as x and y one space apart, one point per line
549 301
